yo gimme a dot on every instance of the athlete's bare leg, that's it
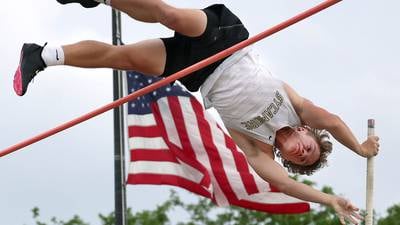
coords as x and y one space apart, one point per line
148 56
189 22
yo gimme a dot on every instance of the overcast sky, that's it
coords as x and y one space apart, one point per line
345 59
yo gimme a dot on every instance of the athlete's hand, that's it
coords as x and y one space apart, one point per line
370 147
346 211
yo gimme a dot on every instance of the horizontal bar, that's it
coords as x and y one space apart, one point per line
173 77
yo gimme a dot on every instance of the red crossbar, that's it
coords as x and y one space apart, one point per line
173 77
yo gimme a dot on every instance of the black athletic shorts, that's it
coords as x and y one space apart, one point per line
223 30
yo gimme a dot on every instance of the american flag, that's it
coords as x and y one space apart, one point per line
174 141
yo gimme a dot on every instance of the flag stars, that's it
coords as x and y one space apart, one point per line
142 103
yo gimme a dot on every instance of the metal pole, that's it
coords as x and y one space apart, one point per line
171 78
369 219
119 141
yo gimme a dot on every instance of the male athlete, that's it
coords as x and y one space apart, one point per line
262 113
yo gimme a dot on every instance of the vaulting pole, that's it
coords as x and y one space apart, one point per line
173 77
369 218
119 134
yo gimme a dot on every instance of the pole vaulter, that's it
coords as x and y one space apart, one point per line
173 77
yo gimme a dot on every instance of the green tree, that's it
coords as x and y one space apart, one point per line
158 216
204 212
393 216
76 220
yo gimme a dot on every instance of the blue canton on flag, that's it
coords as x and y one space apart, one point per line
142 104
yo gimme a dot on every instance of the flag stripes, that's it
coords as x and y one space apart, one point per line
174 141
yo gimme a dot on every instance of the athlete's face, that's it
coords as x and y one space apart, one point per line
300 148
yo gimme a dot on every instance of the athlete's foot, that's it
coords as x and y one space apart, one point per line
84 3
30 64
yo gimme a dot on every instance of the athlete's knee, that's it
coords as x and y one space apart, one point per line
170 17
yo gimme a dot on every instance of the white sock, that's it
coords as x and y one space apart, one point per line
107 2
53 55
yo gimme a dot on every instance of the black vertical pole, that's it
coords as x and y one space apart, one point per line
119 140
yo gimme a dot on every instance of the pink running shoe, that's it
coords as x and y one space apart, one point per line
30 64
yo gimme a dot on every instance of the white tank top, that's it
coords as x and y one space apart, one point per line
248 98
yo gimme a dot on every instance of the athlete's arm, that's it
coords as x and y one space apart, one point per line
259 157
317 117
